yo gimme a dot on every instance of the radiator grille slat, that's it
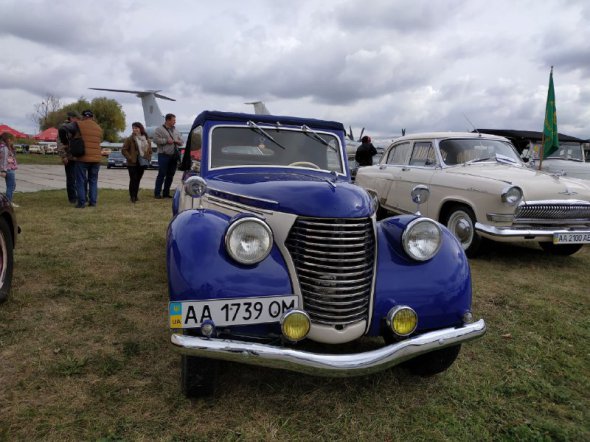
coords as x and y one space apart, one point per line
334 261
548 212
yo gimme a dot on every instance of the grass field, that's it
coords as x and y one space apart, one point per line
84 351
33 158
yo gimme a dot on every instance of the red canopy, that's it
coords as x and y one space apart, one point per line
47 135
16 133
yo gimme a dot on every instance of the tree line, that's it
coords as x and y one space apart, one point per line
108 113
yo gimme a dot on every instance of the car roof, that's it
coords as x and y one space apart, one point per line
265 119
446 135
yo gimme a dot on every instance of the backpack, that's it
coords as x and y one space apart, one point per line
76 144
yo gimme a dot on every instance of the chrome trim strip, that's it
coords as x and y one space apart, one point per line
220 202
507 232
340 365
239 195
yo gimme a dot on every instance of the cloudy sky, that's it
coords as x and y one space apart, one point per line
380 64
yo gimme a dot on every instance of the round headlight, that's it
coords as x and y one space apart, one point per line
512 195
402 320
422 239
248 240
195 186
295 325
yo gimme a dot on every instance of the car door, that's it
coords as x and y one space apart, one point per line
396 159
418 169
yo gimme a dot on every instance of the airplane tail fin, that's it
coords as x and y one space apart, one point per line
151 111
259 108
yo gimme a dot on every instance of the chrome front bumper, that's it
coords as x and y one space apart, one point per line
512 234
342 365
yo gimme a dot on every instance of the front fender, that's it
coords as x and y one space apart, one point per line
439 290
200 268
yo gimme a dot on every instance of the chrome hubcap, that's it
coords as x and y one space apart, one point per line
461 226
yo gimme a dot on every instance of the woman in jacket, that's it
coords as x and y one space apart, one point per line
136 146
8 164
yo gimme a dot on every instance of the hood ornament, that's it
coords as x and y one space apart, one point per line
568 192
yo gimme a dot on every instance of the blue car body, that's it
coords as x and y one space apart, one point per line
316 215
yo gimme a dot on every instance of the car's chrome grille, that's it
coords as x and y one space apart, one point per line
548 212
334 260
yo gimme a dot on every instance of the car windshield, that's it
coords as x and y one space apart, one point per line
568 152
115 155
263 146
457 151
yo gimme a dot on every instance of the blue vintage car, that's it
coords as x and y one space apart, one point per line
271 246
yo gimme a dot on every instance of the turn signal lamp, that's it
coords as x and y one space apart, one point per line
295 325
402 320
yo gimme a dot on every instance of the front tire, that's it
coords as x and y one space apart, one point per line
560 249
460 220
198 376
6 259
434 362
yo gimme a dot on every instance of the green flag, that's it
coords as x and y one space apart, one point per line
550 135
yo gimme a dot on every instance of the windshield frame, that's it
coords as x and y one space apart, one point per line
342 169
491 157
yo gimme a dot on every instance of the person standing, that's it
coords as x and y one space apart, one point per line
87 165
365 152
69 162
8 164
136 146
168 140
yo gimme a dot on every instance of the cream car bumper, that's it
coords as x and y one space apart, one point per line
514 234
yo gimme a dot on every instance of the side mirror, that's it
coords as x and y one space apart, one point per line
420 194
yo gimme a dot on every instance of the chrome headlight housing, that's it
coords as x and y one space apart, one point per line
512 195
248 240
422 239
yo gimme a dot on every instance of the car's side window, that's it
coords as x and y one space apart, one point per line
399 154
423 154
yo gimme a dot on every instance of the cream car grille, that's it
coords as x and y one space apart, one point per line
334 259
548 213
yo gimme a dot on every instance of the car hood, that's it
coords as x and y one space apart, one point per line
536 185
571 169
306 194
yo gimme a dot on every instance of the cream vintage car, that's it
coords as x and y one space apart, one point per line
480 188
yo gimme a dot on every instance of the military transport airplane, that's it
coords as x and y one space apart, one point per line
153 115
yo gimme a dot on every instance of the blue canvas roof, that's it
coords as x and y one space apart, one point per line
265 119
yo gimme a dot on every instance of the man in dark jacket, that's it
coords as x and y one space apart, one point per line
365 152
68 161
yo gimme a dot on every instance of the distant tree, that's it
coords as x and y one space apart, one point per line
49 105
107 113
110 116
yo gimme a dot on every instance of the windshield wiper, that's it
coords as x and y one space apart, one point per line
253 126
504 159
565 159
478 160
316 136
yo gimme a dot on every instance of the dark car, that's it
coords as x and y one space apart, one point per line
116 159
8 232
153 161
272 252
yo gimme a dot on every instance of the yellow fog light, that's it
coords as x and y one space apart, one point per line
402 320
295 325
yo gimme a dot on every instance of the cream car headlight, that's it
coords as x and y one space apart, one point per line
512 195
422 239
248 240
